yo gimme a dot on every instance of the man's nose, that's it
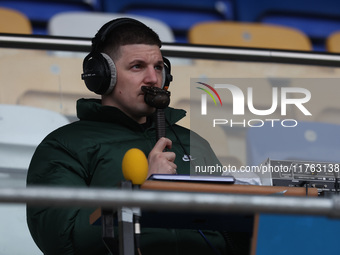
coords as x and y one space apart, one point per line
151 76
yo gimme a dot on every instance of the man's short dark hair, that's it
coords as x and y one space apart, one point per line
130 32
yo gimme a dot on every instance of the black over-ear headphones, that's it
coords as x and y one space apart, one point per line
99 70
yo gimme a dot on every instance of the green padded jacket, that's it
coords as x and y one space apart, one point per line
89 153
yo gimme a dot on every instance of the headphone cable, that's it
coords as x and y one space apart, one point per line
180 143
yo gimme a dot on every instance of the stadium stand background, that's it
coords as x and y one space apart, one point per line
58 74
318 19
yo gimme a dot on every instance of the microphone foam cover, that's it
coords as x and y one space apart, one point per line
135 166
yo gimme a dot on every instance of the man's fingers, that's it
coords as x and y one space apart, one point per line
172 165
161 161
172 171
161 144
170 156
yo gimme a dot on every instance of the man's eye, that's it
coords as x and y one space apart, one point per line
160 68
136 66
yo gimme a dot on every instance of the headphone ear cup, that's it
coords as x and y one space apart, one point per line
167 77
99 73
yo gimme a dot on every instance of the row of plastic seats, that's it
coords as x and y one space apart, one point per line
179 15
72 23
225 33
215 33
318 20
39 12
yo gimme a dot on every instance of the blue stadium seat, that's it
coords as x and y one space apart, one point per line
179 15
180 21
318 19
223 6
249 10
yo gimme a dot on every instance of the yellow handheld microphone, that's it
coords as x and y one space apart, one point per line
135 166
135 169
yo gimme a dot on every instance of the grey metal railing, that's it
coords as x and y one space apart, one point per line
178 50
171 201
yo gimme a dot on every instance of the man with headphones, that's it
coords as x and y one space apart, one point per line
125 57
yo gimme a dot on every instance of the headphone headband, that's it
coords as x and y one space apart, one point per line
99 71
101 36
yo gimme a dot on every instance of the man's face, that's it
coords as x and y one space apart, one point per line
137 65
